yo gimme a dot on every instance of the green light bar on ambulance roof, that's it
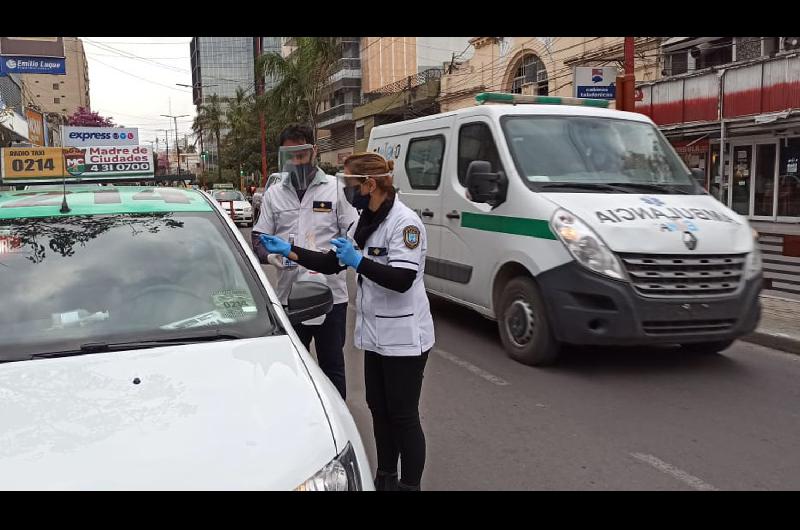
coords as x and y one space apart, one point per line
514 99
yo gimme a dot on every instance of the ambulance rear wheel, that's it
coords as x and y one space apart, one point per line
524 327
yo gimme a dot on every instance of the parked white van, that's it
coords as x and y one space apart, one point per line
570 223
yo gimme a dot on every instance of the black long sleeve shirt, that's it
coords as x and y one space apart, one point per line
394 278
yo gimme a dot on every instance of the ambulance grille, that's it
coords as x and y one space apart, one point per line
682 276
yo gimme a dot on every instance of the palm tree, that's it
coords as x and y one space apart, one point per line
210 117
303 77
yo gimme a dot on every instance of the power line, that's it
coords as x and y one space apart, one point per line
142 78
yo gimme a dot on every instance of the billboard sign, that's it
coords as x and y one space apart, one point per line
597 82
32 65
99 136
35 127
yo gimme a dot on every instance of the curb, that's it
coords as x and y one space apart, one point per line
777 341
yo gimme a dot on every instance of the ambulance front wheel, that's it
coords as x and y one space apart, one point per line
524 327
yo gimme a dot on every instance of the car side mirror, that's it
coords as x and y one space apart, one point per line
308 300
485 186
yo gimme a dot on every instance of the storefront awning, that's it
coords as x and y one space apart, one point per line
14 124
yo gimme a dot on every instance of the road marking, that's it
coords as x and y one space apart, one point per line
472 368
679 474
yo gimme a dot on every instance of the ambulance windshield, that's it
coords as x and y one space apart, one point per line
558 153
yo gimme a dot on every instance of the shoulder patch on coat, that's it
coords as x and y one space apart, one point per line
411 236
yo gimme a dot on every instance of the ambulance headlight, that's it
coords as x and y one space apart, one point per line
754 263
585 245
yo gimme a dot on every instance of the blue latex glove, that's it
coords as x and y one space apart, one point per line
275 245
346 252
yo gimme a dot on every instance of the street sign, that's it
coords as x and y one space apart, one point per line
595 82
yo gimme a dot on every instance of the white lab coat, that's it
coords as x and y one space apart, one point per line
388 322
322 215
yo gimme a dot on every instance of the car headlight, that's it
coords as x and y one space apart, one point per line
340 474
754 263
585 245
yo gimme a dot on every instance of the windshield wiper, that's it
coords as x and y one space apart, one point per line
658 188
589 186
100 347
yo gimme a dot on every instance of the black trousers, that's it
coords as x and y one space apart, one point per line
329 341
393 386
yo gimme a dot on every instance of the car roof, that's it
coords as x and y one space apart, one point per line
93 200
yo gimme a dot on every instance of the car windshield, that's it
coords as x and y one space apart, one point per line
558 153
123 278
228 196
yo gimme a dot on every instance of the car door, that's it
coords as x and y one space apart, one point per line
420 180
466 258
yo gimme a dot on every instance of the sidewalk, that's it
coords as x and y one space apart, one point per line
780 324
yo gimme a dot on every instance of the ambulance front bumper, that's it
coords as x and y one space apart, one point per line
589 309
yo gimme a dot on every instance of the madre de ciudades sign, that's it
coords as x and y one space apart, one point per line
115 161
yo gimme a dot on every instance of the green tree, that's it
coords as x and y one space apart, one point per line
211 118
242 144
302 76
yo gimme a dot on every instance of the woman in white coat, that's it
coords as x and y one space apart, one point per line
394 326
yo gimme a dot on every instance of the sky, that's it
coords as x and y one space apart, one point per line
133 80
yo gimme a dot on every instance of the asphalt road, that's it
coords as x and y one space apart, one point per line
602 419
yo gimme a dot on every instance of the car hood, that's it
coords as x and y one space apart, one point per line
660 224
225 415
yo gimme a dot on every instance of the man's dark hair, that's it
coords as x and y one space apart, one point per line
297 133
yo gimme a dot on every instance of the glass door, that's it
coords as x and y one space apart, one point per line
763 189
741 177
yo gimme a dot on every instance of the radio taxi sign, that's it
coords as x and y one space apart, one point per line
31 164
51 164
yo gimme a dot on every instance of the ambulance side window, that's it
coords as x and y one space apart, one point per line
475 142
424 162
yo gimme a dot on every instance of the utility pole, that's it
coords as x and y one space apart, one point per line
177 140
166 136
259 81
626 84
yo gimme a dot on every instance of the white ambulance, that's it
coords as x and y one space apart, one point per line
571 223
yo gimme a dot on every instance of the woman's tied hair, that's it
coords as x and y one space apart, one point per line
372 164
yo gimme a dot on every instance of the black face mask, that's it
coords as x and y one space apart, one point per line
354 197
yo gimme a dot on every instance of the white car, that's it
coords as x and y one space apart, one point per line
234 199
147 350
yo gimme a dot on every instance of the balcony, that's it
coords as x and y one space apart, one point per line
405 84
335 115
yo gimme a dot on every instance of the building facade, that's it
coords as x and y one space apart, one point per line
221 65
539 65
61 94
734 103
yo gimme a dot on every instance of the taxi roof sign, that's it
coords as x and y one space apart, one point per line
54 165
101 201
514 99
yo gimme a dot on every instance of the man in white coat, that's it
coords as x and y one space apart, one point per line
304 206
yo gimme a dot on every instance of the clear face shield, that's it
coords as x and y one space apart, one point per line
351 187
298 162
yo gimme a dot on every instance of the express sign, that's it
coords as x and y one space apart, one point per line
100 136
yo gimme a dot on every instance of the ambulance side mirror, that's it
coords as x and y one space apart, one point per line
309 300
485 186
